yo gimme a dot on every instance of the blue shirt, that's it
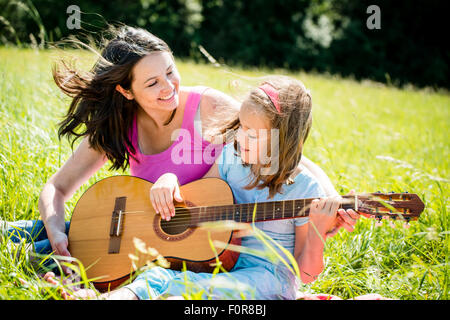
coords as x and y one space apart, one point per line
237 176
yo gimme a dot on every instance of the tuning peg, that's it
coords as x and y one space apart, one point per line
391 223
406 224
379 221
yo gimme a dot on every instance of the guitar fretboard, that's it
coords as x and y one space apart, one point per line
264 211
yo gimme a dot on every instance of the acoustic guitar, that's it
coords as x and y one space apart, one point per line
115 210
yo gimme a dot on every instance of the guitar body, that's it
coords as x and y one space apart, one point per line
115 210
104 250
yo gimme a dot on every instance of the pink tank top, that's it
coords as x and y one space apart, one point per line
189 157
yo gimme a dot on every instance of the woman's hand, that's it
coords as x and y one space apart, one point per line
60 243
163 193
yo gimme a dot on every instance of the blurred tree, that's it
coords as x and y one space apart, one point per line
322 35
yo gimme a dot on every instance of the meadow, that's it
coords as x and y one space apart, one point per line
366 136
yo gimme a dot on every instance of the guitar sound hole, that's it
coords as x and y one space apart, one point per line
177 224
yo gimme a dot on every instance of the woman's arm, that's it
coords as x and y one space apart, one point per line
213 172
83 163
320 175
216 108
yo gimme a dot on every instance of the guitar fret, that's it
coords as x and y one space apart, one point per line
273 212
276 208
273 206
297 207
304 206
246 206
243 212
293 208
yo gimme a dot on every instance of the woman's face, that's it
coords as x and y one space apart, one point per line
253 135
156 82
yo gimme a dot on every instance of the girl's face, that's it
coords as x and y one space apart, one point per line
156 82
253 135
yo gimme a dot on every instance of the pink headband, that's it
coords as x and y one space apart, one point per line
272 94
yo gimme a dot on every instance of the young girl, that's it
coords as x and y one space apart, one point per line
263 164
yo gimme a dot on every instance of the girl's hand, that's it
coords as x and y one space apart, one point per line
345 219
323 213
163 193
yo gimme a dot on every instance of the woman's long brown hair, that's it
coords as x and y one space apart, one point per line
97 109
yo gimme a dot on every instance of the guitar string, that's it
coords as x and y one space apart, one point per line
347 200
218 216
186 221
196 217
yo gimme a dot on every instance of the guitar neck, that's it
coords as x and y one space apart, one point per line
263 211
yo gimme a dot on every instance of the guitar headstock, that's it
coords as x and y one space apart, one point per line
397 206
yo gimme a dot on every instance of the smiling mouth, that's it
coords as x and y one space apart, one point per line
168 97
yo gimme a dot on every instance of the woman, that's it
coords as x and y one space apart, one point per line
128 109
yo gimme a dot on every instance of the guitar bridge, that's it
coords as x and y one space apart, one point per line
116 228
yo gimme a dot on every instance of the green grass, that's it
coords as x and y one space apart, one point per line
365 136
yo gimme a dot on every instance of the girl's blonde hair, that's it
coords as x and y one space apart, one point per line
293 123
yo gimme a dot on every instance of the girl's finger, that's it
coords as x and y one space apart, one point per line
333 232
347 218
169 202
159 206
353 214
177 194
329 204
152 200
322 203
315 204
335 203
165 199
346 224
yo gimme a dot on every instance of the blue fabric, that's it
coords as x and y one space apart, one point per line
33 231
253 276
283 231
